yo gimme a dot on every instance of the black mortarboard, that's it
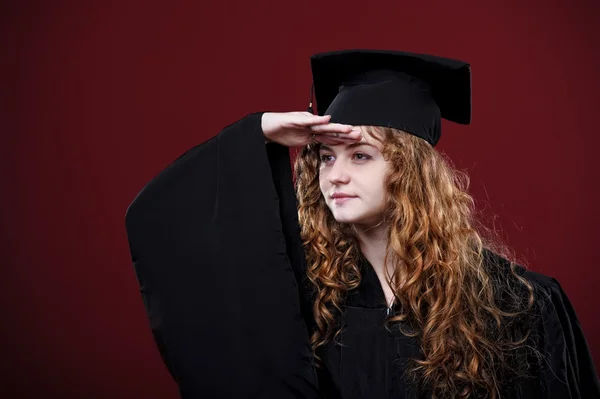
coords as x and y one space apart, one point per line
406 91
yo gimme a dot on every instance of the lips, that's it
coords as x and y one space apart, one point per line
341 198
341 195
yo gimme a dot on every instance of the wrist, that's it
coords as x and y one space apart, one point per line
265 125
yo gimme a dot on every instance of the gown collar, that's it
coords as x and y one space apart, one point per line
369 294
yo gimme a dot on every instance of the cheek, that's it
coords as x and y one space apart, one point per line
378 185
323 178
322 183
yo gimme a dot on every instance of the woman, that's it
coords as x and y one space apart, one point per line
400 295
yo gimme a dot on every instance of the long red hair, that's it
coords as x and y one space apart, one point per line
459 303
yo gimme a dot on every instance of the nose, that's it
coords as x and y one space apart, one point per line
338 174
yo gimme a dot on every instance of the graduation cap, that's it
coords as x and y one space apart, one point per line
406 91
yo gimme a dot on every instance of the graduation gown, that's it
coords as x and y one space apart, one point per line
216 248
372 359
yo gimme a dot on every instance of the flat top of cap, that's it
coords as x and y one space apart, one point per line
449 80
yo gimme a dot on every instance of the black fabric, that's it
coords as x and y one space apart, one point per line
406 91
209 252
369 360
215 243
288 208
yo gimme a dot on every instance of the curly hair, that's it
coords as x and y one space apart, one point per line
461 304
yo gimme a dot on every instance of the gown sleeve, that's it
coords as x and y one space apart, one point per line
214 240
568 369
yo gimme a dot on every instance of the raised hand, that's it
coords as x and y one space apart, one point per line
297 129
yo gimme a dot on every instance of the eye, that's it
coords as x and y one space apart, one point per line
324 157
362 157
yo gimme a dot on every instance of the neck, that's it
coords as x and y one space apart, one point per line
373 242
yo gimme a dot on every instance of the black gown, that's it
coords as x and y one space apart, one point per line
215 243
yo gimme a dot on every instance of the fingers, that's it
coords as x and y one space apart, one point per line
306 119
332 140
337 131
331 128
323 130
320 124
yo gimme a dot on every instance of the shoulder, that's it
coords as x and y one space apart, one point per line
566 364
509 278
551 311
500 266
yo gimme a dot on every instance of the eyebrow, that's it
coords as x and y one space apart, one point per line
353 145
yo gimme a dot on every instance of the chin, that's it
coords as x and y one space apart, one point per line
346 217
357 218
344 220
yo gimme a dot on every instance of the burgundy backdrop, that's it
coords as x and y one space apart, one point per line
97 97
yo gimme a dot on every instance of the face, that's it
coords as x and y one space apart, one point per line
354 173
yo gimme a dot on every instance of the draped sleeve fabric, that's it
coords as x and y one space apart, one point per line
568 369
217 275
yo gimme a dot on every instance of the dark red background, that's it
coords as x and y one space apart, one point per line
97 97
